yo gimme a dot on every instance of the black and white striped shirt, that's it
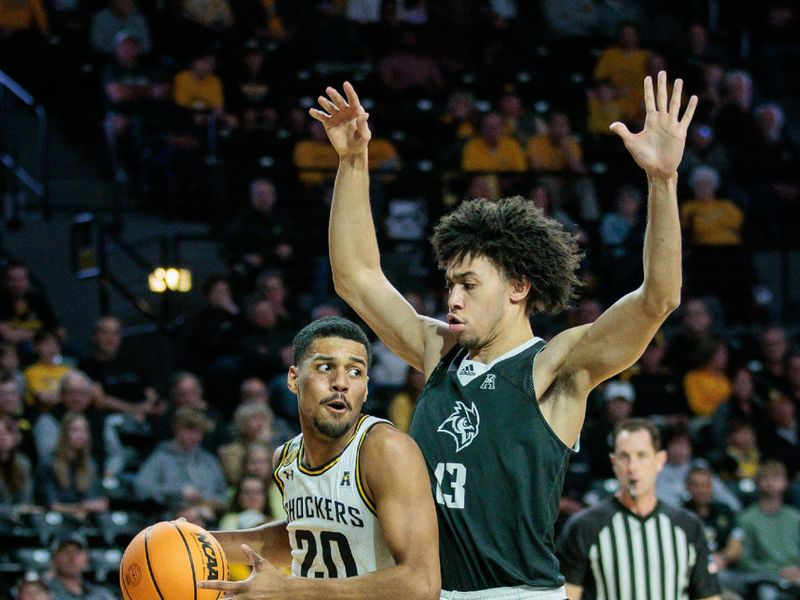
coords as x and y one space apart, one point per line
617 555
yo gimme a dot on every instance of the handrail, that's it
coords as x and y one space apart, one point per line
40 186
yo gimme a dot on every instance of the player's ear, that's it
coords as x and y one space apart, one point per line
661 460
291 379
520 288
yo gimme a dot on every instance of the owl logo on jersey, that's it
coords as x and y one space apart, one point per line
462 425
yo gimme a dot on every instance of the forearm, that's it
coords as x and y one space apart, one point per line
270 541
401 582
352 239
662 247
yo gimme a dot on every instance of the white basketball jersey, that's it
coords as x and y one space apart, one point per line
333 525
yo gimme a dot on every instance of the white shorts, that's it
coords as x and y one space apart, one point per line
522 592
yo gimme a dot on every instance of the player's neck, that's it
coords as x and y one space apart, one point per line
319 449
509 335
640 505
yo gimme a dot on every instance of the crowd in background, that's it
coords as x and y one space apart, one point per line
515 98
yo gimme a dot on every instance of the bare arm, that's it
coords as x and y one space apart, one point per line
574 592
354 253
398 482
620 335
270 541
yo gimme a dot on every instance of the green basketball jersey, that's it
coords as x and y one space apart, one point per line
496 468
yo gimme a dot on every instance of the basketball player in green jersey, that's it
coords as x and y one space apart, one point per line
501 411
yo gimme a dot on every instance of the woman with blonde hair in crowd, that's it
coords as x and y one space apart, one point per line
16 482
69 482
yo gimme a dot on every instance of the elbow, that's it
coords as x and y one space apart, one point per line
425 585
661 305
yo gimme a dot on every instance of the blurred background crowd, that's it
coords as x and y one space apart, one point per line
197 110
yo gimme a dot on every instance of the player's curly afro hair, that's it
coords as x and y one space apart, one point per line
517 237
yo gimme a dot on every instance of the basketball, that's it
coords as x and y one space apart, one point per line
168 559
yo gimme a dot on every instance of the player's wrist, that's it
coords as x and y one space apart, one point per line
665 180
354 161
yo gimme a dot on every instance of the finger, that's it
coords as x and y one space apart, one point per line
649 98
179 519
327 105
361 123
687 116
222 586
675 101
334 95
320 116
352 97
621 130
255 559
662 90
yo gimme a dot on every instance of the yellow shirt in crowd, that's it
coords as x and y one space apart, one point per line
22 15
41 377
625 70
712 222
705 391
507 156
547 156
198 94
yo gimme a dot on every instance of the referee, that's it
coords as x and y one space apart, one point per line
631 546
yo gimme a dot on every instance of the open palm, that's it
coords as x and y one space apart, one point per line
658 148
345 121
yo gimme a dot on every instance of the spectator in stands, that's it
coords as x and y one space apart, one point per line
697 325
708 386
559 152
741 456
736 125
43 376
24 29
745 404
671 482
625 65
258 462
11 406
260 237
180 470
251 92
70 482
205 23
10 363
313 157
622 235
703 150
132 90
722 530
618 398
713 227
772 362
517 121
774 161
214 339
401 405
23 310
407 69
603 107
125 386
70 555
791 378
492 151
771 543
457 125
271 286
16 476
710 93
262 340
255 423
659 393
199 90
699 52
781 439
121 16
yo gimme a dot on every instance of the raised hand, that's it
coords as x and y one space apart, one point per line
658 148
345 121
264 582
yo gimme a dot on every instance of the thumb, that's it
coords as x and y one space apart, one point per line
256 560
621 130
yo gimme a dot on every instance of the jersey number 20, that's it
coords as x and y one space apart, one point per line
306 539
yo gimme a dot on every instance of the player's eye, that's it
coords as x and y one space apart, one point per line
355 372
324 367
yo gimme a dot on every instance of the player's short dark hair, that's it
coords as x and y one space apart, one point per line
328 327
631 425
517 237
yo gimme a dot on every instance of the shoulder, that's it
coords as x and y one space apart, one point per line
681 517
387 453
587 523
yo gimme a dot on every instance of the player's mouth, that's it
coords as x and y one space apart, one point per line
337 405
455 324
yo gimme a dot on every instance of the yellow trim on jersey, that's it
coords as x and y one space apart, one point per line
277 479
320 470
361 489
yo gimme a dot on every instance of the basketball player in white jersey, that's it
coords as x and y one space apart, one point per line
360 516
